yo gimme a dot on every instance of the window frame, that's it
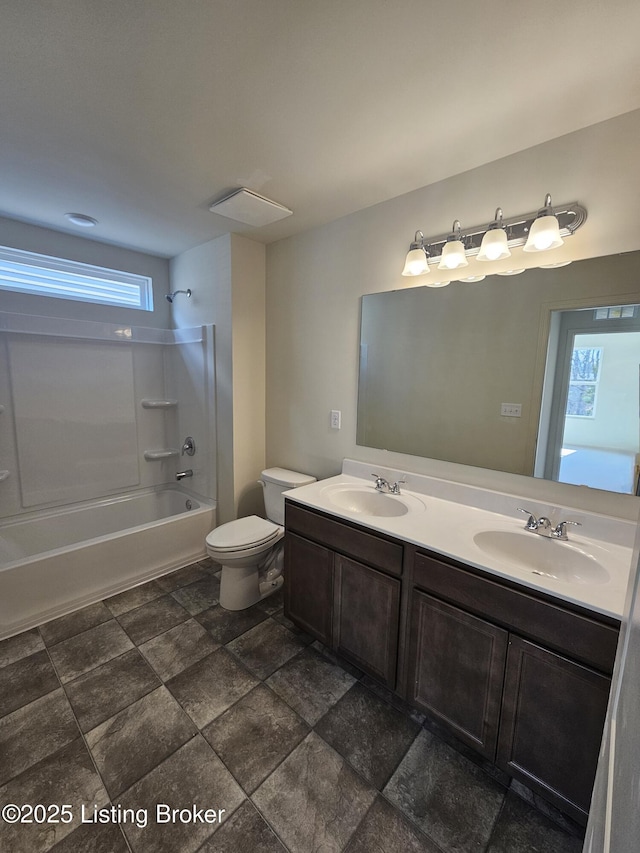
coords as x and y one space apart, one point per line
95 290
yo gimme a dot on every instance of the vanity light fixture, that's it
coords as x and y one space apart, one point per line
416 262
535 232
494 246
453 252
474 278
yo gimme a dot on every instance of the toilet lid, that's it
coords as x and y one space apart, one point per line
243 533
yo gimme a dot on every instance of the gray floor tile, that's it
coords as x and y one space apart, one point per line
178 648
225 625
68 776
244 832
266 647
311 684
152 619
369 733
314 800
255 735
211 685
107 689
192 776
183 577
84 652
20 646
94 838
447 796
199 596
386 829
137 739
25 680
35 731
74 623
135 597
272 603
522 829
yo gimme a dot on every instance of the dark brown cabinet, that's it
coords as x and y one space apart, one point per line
456 670
341 586
521 677
367 612
308 591
552 720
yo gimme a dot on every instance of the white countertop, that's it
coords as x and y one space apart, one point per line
439 520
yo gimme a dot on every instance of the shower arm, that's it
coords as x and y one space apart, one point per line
171 296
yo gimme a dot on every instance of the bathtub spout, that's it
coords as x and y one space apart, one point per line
182 474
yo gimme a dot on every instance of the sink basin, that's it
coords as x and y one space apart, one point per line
539 555
365 500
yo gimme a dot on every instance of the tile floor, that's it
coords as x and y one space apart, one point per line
159 696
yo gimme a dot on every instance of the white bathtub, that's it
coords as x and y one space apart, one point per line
56 561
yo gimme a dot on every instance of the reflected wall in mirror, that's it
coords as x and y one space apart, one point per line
437 367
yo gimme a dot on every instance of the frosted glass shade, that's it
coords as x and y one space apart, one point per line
453 256
544 234
416 263
494 246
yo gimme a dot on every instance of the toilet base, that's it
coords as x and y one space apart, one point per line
241 587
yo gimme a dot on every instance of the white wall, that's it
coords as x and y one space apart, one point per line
227 279
315 281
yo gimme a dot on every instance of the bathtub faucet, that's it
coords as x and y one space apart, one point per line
182 474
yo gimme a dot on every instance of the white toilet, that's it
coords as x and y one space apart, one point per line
250 549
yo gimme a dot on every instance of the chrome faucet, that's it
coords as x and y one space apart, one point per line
182 474
383 485
544 527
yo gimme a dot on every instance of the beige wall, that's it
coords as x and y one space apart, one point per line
315 281
227 279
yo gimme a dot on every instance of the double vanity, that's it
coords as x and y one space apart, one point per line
504 636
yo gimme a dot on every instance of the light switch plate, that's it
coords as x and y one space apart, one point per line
511 410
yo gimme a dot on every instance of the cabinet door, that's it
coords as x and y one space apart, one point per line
456 670
367 614
308 586
553 717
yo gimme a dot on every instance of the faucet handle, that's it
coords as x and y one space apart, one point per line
532 522
560 532
380 482
395 488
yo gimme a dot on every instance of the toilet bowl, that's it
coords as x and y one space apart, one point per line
251 549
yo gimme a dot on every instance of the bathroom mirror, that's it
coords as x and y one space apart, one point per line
457 373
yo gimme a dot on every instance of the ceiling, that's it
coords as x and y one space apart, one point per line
141 114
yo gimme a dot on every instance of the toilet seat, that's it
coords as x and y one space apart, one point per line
242 535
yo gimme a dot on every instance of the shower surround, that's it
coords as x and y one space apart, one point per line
92 419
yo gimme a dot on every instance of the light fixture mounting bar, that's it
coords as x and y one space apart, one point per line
570 218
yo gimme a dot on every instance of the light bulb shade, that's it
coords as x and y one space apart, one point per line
544 234
494 246
453 256
416 263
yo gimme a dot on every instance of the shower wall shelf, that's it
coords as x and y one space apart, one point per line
159 455
159 404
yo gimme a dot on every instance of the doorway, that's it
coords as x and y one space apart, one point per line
590 425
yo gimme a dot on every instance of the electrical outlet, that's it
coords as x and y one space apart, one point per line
336 419
511 410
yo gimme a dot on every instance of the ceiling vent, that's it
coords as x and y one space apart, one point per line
248 207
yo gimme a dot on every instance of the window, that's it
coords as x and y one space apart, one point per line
583 381
41 275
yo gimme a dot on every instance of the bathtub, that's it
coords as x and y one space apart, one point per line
55 561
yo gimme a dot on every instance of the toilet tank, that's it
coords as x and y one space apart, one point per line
275 481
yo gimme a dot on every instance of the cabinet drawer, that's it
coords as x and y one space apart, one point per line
578 636
371 549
